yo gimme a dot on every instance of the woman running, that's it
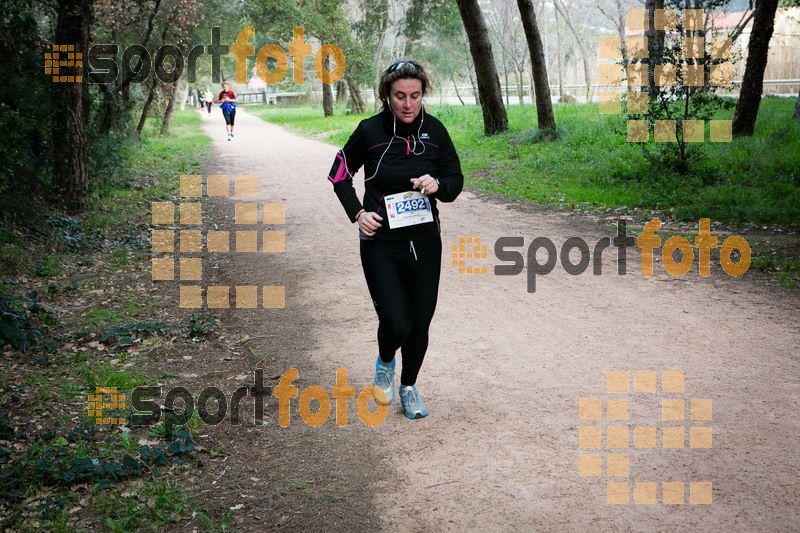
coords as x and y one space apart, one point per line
409 163
227 102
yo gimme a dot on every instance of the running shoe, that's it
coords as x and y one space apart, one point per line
229 137
411 402
384 380
231 134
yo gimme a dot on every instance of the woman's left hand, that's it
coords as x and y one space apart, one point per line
425 184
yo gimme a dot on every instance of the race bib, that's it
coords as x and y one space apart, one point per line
408 209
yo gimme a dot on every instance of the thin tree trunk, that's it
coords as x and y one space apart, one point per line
495 119
151 94
505 77
170 110
587 74
544 104
341 92
327 100
518 74
455 86
744 117
357 103
558 58
796 115
69 114
655 41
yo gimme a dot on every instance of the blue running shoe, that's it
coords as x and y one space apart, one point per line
384 380
411 402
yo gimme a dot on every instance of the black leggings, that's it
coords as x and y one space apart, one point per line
403 280
229 118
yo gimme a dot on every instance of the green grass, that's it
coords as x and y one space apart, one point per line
69 463
748 181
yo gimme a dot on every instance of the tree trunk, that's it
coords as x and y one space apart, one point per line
587 74
170 110
327 100
558 59
655 41
69 112
518 74
495 119
455 86
744 117
151 94
357 103
797 108
544 105
341 92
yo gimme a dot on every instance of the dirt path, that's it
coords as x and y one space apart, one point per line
503 377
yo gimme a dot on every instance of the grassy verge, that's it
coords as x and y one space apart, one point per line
84 315
750 183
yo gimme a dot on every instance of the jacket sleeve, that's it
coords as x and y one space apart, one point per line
448 170
347 162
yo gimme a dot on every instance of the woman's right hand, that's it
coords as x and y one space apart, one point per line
369 222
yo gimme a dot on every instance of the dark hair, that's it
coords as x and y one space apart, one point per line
398 70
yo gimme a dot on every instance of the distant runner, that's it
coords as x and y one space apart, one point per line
227 102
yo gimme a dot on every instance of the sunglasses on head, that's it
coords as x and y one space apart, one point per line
397 66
